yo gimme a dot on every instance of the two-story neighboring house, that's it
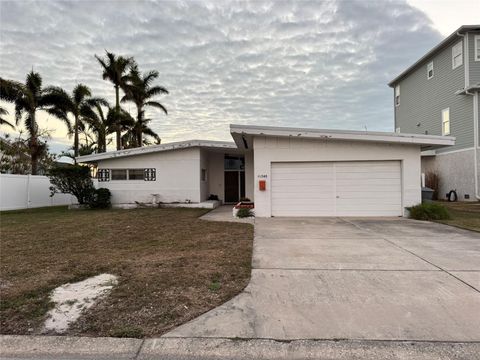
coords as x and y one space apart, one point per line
439 95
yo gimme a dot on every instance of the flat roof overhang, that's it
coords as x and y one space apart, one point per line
205 144
243 136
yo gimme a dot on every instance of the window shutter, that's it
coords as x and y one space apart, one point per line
150 174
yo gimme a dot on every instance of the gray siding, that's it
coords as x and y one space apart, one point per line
474 65
422 100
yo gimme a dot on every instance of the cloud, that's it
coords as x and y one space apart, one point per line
307 64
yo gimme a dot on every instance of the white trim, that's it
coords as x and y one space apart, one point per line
476 55
238 131
455 48
453 151
430 64
158 148
467 60
445 133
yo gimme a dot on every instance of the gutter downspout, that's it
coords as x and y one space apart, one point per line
476 144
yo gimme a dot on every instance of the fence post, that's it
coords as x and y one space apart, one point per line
28 191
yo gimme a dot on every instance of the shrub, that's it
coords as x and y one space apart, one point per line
101 199
213 197
244 213
72 179
429 211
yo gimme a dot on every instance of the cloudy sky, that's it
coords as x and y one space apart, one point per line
318 64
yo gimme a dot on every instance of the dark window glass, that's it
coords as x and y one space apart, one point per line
135 174
234 163
119 174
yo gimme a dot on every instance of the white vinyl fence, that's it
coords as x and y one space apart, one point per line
29 191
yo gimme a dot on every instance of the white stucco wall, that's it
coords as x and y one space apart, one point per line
273 149
178 177
249 177
204 185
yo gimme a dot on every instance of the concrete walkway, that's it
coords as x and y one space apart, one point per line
357 279
224 213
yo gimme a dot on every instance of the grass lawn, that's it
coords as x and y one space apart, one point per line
464 214
171 266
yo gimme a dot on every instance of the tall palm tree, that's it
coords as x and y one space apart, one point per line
115 69
79 104
29 98
140 91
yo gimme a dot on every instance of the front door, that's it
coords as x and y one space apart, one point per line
231 186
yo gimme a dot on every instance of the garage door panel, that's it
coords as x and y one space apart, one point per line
363 188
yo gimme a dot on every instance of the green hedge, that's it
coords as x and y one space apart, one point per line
429 211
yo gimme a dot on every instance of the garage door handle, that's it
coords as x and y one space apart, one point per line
338 197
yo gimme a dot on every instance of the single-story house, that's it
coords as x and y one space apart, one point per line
285 171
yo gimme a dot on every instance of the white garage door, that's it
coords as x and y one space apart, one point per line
359 188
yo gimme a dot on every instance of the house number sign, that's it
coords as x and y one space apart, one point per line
262 176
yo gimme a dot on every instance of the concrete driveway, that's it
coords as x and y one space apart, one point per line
348 278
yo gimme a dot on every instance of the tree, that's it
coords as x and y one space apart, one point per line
115 69
29 98
72 179
8 91
103 124
4 121
79 104
130 137
14 157
140 91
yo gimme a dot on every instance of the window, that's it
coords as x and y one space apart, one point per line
119 174
234 163
150 174
397 95
135 174
203 175
430 70
477 47
446 121
103 175
457 55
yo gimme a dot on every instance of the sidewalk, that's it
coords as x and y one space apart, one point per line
80 348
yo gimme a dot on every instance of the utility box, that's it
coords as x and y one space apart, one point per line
427 194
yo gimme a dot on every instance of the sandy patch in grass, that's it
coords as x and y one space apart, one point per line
73 299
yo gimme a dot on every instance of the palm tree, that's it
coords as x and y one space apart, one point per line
104 123
79 104
29 98
130 138
8 92
115 70
140 91
4 121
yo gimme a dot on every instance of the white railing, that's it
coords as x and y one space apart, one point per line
29 191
